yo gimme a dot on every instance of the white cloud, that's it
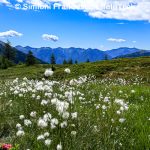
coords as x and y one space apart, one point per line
112 9
121 23
10 33
116 40
4 2
19 1
50 37
133 41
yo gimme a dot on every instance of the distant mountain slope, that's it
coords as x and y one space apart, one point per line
136 54
61 54
20 56
121 51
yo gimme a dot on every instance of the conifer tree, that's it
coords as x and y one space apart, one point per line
9 52
52 60
30 59
87 60
70 61
64 62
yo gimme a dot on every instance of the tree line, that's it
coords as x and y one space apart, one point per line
8 57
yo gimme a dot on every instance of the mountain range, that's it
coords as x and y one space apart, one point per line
78 54
43 54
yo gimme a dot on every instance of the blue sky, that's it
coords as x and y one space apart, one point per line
74 28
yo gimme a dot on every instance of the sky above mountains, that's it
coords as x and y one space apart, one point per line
102 24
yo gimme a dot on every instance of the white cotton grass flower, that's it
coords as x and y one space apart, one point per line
59 147
38 97
44 102
33 114
120 92
54 101
104 107
118 112
67 70
47 142
47 117
46 134
21 117
61 106
97 107
48 72
122 120
40 137
27 122
73 133
74 115
106 99
63 124
18 125
33 95
112 120
42 123
20 133
54 121
20 95
132 91
65 115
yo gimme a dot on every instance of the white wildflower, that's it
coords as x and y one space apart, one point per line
27 122
54 121
65 115
46 134
63 124
104 107
121 120
118 112
42 123
48 142
59 147
33 114
54 101
132 91
74 115
48 72
67 70
40 137
20 133
44 102
73 133
21 117
18 125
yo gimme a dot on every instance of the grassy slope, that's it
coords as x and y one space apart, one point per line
114 68
133 134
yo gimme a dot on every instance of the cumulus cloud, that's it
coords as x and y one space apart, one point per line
48 37
4 2
10 33
112 9
116 40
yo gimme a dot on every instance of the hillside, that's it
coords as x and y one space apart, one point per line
121 51
125 68
136 54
